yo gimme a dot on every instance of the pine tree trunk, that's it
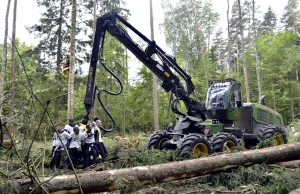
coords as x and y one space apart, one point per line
273 95
292 101
227 67
154 84
256 54
237 68
58 60
94 17
102 78
203 59
298 86
201 48
94 110
12 73
111 180
258 77
243 53
125 78
72 63
4 58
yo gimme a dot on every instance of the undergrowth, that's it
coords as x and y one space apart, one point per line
254 179
141 156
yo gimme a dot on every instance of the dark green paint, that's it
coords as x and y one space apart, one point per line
266 115
214 128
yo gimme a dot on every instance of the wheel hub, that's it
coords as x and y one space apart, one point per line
199 150
161 144
278 139
229 146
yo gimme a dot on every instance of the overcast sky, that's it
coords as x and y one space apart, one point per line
28 14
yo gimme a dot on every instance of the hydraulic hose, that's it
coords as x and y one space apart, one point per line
111 93
175 109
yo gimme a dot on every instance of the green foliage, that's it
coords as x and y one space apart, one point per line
290 17
124 157
141 156
188 26
294 136
279 87
269 22
278 180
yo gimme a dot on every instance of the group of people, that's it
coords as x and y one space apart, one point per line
84 144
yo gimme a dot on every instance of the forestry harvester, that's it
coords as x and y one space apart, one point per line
214 126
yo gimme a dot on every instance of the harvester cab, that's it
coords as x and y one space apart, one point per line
224 101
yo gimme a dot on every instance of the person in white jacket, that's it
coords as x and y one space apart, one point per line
70 126
75 146
54 143
88 148
62 137
98 139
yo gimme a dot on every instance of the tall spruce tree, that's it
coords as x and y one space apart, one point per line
154 78
234 38
291 17
243 52
12 72
269 21
227 66
257 61
72 63
4 59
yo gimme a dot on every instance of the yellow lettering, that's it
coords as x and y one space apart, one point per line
167 74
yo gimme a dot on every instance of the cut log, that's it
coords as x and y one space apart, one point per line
288 164
296 191
129 177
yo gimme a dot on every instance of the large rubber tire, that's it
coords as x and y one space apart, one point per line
222 142
194 145
156 139
275 134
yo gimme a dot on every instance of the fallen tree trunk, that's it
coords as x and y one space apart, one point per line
296 191
129 177
288 164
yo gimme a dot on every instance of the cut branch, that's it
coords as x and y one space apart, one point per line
129 177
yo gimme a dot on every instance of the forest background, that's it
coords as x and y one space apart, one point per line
259 49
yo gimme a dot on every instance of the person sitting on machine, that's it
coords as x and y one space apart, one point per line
170 127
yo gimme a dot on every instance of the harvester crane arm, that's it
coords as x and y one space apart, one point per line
112 23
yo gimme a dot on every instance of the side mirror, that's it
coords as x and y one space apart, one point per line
239 103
